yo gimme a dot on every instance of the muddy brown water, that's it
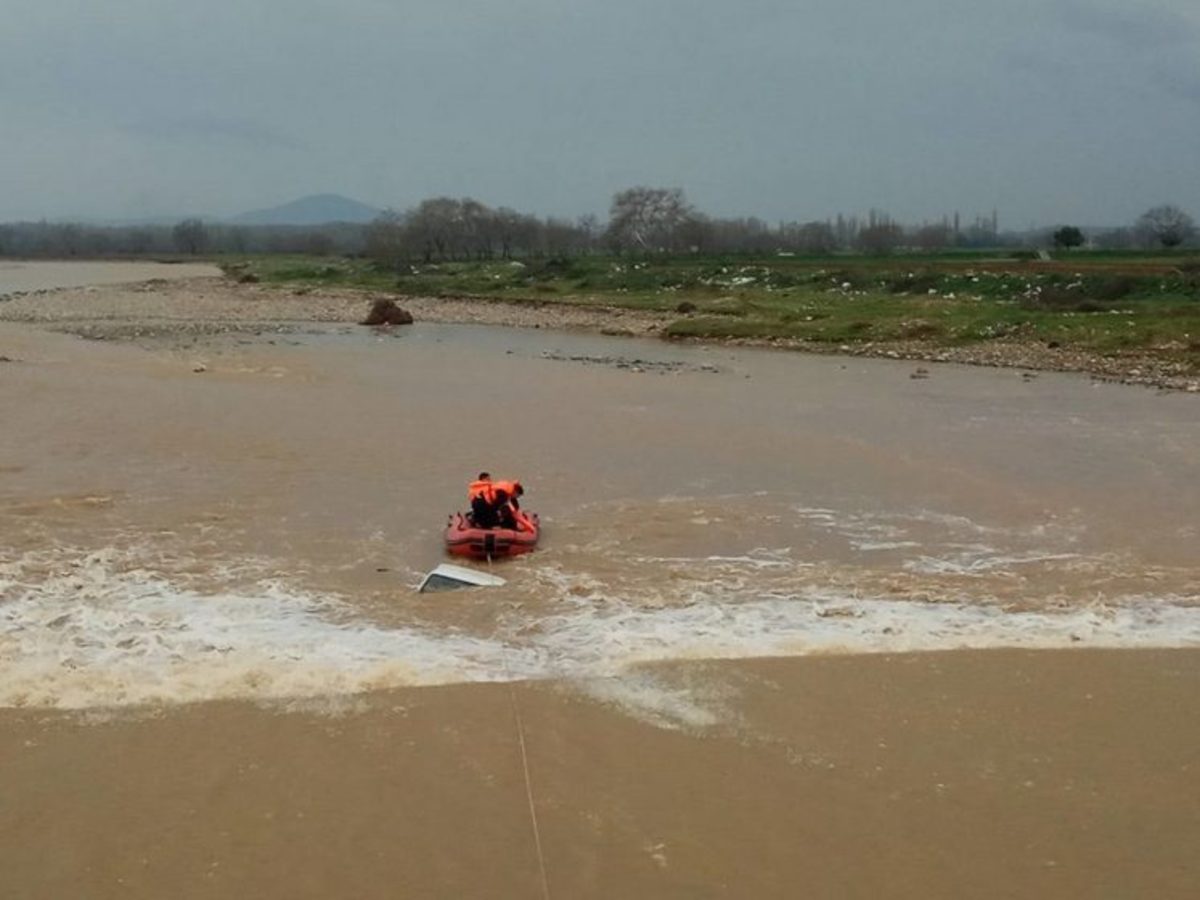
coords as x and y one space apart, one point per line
244 522
992 774
696 501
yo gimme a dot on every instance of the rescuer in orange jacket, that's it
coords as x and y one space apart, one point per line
483 486
509 508
481 496
497 503
512 488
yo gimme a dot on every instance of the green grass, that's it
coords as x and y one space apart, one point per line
1103 302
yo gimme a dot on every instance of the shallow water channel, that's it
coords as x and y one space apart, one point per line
20 276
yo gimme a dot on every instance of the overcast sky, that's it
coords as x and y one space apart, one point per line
1051 111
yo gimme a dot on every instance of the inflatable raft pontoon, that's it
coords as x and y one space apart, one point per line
464 539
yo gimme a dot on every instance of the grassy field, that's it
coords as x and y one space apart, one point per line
1102 303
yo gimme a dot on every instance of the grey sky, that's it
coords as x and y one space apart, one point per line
1084 111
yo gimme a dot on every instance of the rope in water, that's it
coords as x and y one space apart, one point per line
537 835
520 726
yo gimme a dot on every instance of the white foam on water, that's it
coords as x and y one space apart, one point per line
607 640
980 560
895 530
758 558
99 633
651 700
883 545
90 636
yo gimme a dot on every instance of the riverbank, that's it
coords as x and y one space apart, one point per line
190 311
1127 317
182 312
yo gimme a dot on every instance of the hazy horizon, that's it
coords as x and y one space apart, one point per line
1080 111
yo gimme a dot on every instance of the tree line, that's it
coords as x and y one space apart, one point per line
191 237
641 220
661 220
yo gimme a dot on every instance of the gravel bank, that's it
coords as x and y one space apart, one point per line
208 306
1131 368
187 312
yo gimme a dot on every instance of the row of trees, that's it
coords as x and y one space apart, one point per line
192 236
444 228
641 220
1162 226
661 220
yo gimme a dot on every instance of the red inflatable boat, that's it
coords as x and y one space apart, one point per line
464 539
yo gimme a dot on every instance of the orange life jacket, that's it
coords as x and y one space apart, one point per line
509 487
485 489
523 522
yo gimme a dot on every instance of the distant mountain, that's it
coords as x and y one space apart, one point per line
318 209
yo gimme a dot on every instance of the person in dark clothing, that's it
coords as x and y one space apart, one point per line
496 504
483 513
482 498
514 490
503 510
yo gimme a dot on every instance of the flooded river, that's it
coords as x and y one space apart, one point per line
247 519
698 686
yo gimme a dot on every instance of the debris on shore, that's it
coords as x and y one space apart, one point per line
386 312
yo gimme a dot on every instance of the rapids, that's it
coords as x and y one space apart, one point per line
254 529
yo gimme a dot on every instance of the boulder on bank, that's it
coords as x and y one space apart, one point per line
386 312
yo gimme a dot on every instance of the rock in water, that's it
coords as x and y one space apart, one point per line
386 312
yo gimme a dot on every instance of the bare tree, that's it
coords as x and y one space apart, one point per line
473 222
139 240
190 236
588 226
747 235
511 231
236 239
1169 225
645 218
881 237
65 239
932 237
560 237
385 241
1115 239
435 226
816 238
